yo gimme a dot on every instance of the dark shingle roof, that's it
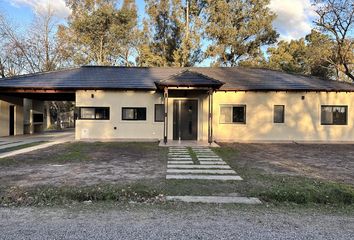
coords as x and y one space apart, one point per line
236 78
189 78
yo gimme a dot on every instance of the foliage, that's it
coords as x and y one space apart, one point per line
172 33
336 18
305 56
99 33
238 29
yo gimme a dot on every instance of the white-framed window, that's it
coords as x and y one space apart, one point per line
334 115
233 114
279 114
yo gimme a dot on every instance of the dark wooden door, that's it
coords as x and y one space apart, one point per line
11 120
185 120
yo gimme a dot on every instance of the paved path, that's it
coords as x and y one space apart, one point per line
52 138
201 163
206 166
183 222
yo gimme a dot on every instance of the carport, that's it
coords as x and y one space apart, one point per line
22 109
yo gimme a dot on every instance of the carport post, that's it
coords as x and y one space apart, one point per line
165 130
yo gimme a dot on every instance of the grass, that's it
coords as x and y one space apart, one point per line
193 155
280 188
76 152
270 188
49 195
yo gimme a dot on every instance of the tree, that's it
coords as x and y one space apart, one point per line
99 33
238 29
335 18
173 33
305 56
35 51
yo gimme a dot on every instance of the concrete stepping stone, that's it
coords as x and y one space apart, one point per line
212 162
214 199
200 166
204 177
180 162
203 171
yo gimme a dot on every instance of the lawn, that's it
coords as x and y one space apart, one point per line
116 171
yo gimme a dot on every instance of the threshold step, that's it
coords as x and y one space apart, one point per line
214 199
205 177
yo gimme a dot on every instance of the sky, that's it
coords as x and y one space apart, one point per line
293 21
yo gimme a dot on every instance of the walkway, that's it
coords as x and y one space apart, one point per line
201 163
44 140
206 165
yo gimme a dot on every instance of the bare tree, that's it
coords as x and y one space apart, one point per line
336 17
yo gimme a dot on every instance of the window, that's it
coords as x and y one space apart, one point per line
334 115
134 114
96 113
279 113
37 117
159 112
233 114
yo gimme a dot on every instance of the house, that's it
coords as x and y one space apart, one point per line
204 104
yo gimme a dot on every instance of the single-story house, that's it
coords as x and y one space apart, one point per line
204 104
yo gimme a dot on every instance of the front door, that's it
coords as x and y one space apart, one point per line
11 120
185 119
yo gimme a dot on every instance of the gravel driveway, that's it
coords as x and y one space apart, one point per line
173 222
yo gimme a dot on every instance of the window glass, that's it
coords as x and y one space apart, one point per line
99 113
102 113
239 114
279 113
133 113
225 114
334 115
87 113
159 112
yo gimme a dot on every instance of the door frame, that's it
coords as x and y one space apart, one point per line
186 99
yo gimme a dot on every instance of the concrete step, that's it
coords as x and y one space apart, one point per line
200 166
214 199
176 158
212 163
202 171
204 177
180 162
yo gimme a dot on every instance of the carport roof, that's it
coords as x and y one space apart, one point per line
144 78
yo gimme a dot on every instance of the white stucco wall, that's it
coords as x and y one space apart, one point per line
5 103
115 100
302 117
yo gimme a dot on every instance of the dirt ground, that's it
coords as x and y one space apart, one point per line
323 161
80 164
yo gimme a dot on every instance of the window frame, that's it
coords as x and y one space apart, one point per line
108 116
125 119
163 106
232 113
283 114
335 124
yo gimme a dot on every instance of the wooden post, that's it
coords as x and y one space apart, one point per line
165 131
